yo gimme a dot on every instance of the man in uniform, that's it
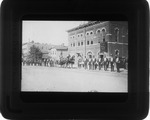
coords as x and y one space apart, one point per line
99 62
105 63
90 63
85 62
112 63
117 64
93 62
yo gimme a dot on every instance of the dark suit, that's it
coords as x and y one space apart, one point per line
100 63
85 63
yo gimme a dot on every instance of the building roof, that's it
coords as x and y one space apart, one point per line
85 25
60 47
45 56
44 51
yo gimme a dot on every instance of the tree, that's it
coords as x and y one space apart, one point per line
35 54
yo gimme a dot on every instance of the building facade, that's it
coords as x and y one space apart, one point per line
59 51
99 38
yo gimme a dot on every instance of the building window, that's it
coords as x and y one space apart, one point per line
87 33
87 42
81 43
91 33
91 42
103 34
78 35
71 44
116 35
78 43
98 31
81 35
74 44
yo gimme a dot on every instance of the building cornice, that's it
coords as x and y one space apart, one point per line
118 43
85 25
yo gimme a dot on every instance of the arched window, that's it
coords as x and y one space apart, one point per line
116 34
87 33
89 54
91 33
98 31
103 34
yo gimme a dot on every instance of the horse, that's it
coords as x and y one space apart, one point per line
62 62
67 62
71 61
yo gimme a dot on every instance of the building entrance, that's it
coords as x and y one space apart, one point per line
101 55
89 54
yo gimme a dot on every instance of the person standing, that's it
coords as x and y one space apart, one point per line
44 62
96 64
117 64
112 63
85 63
99 62
93 62
90 63
105 63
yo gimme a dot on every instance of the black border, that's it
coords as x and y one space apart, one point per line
11 103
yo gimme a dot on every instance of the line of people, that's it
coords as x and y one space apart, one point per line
40 62
101 62
91 63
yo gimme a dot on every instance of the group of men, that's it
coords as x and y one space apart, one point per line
40 62
92 63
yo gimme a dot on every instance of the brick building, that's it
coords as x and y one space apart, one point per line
99 38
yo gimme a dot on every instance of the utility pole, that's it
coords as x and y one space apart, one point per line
85 39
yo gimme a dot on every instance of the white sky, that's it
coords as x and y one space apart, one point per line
54 32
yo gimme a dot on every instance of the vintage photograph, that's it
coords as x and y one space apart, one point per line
74 56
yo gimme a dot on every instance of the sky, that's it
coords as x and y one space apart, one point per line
54 32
